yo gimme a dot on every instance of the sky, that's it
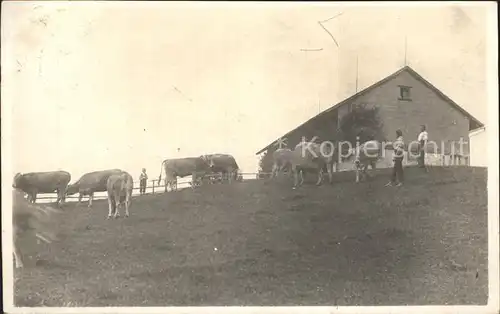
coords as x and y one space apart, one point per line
91 86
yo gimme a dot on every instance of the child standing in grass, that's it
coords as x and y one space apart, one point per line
399 149
143 181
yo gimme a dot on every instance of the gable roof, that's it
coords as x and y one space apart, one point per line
379 83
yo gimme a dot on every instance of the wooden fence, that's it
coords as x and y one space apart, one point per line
448 160
152 187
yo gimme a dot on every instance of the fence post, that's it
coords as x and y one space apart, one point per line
154 186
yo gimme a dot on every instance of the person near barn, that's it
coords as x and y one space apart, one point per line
399 150
422 140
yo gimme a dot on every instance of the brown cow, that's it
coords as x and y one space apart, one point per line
43 182
197 167
90 183
224 164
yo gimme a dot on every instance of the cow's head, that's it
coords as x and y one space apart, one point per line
71 189
356 162
18 181
211 164
208 161
205 158
350 155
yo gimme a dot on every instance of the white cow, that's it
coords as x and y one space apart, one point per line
119 187
311 157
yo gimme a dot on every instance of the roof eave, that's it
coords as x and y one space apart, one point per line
348 99
477 131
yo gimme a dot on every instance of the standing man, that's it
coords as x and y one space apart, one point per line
422 140
399 150
143 181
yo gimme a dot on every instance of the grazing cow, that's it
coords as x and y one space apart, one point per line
212 178
224 164
43 182
90 183
29 219
311 157
119 188
197 167
282 159
366 154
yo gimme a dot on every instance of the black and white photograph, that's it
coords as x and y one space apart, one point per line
333 157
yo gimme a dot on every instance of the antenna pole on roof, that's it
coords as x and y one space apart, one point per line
356 74
405 50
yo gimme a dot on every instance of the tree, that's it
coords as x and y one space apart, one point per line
266 163
361 124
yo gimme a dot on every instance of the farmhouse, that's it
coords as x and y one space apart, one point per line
406 101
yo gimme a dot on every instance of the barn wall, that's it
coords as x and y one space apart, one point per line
444 123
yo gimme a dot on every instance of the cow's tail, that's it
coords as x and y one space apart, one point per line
161 170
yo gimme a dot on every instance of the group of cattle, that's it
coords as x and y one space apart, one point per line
305 157
313 158
117 183
211 168
28 217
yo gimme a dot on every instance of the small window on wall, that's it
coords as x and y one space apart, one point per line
404 93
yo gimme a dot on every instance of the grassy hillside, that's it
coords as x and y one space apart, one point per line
262 243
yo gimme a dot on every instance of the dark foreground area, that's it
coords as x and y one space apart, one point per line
259 242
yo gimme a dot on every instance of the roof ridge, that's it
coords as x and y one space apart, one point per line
376 84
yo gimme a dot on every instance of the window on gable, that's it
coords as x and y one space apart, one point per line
404 93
